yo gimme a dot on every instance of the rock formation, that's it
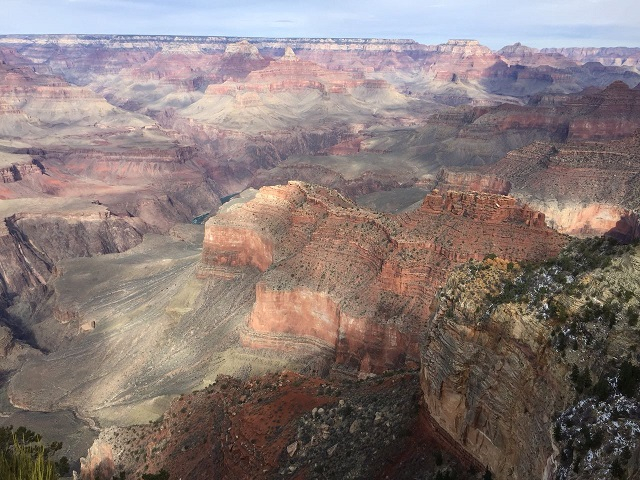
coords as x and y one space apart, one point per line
583 188
352 284
34 242
612 113
496 366
488 378
106 142
461 60
284 425
268 99
522 55
612 56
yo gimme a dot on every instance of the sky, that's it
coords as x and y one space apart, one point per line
495 23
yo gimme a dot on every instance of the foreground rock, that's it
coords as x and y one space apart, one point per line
500 359
283 426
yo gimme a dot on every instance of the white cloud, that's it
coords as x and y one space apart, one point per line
534 22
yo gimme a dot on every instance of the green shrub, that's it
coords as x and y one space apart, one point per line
601 389
24 457
628 379
616 469
581 380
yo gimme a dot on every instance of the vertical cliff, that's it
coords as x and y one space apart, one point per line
531 368
352 285
35 241
489 377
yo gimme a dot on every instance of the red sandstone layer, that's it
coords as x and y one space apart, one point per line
355 281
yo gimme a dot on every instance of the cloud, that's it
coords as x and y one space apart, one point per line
495 23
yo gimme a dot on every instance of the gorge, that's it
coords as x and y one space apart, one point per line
321 258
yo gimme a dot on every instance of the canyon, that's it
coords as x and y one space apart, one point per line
284 226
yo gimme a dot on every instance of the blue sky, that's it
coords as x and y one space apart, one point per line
538 23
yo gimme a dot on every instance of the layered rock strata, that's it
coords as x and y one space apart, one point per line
489 378
354 282
34 242
527 368
583 188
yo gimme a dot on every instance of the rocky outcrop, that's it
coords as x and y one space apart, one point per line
23 166
489 378
460 60
298 275
98 463
522 55
474 181
248 236
612 113
240 59
353 282
283 425
521 367
583 188
34 242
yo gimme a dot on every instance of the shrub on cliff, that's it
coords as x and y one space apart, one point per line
23 456
628 379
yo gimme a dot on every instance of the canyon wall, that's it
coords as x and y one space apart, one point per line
489 377
34 242
583 188
520 367
355 282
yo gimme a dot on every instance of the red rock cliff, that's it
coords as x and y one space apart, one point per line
353 282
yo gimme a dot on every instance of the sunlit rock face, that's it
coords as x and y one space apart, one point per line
353 281
583 188
490 381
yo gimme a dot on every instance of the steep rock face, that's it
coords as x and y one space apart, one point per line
13 352
30 102
289 311
15 167
583 188
158 185
99 462
180 68
612 113
240 59
490 209
356 283
461 60
498 374
489 377
34 242
248 236
523 55
458 180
